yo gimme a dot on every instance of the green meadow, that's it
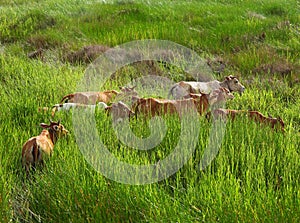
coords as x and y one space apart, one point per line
255 175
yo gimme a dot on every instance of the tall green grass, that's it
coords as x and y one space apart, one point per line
255 175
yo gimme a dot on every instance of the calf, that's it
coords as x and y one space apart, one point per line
94 97
273 122
34 149
254 115
90 97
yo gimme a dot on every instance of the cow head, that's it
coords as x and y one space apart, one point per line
281 123
233 84
220 95
119 111
56 128
277 122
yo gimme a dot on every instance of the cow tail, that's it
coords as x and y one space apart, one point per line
35 153
171 90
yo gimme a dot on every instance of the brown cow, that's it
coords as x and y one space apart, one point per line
34 149
273 122
254 115
153 106
90 97
93 97
201 102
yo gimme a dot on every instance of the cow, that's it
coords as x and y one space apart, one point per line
36 147
183 88
107 96
90 98
152 106
275 123
67 106
257 116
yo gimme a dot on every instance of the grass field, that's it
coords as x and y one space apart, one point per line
255 176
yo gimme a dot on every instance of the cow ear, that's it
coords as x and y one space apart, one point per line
44 126
230 77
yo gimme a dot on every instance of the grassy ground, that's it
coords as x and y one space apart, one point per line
254 177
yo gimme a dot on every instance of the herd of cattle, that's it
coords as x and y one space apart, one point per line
202 96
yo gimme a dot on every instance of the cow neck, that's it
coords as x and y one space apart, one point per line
53 135
225 85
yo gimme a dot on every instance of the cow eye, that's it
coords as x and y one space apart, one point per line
55 127
236 81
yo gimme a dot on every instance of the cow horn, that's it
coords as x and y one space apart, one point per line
230 77
270 116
